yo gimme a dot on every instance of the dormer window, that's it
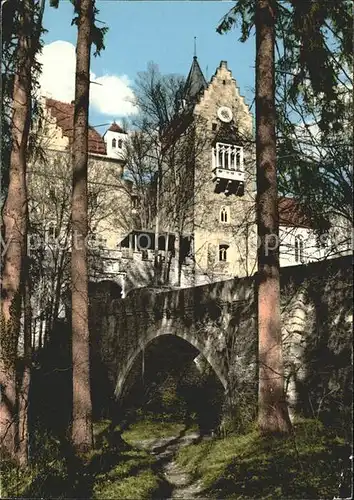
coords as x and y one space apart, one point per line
223 252
224 215
114 143
120 144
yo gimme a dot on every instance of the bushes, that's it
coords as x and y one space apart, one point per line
47 475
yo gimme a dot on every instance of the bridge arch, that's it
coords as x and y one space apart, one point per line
123 371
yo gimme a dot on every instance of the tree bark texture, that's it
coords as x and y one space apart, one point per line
273 414
24 386
15 234
82 407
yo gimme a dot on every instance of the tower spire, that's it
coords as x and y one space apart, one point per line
195 82
195 47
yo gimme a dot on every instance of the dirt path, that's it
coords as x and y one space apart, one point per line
165 449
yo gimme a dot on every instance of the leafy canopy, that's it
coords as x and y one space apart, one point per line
97 33
316 41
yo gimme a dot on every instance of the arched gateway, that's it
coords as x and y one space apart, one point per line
219 320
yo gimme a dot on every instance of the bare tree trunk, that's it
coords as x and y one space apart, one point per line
157 229
15 232
167 260
23 399
177 258
273 413
82 407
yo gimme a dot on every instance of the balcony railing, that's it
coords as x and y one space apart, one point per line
227 162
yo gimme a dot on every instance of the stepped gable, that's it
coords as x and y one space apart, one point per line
63 113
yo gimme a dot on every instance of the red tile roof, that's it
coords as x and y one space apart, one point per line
291 214
63 112
116 128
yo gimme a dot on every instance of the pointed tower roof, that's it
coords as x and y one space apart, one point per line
195 82
116 128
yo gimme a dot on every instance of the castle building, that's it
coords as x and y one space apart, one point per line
216 210
204 226
49 181
114 139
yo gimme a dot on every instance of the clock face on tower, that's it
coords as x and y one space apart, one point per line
225 114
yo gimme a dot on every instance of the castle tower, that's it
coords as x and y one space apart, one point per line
224 230
114 139
195 84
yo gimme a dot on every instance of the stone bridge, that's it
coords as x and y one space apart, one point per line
219 320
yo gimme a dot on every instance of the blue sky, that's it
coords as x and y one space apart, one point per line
159 31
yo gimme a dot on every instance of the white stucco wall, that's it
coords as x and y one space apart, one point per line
115 152
337 242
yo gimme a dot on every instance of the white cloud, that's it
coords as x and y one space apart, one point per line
58 70
112 98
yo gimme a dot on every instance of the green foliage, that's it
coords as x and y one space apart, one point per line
118 484
116 470
15 480
316 167
8 331
310 36
243 9
314 102
151 429
111 470
305 465
46 476
97 33
10 64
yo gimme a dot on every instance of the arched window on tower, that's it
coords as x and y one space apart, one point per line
223 252
224 217
120 144
114 143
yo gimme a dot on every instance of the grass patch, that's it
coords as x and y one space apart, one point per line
100 427
15 481
112 470
150 429
252 466
131 476
120 471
